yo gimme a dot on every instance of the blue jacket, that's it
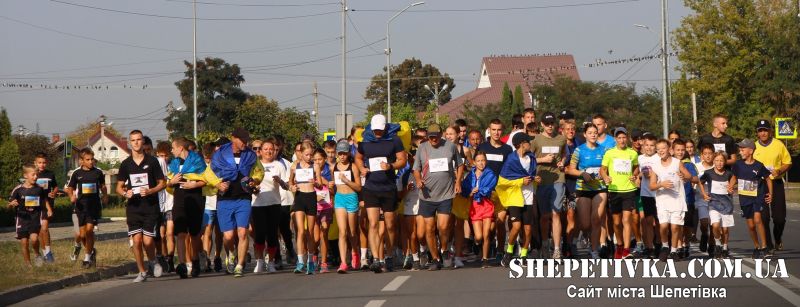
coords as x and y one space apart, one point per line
485 185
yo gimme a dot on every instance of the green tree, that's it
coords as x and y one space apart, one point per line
218 97
262 117
479 116
408 86
519 100
32 144
507 99
9 156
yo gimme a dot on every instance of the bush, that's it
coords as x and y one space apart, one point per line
62 211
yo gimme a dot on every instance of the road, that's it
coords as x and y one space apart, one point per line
471 286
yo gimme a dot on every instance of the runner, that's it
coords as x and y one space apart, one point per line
619 171
384 153
346 205
755 194
603 138
517 175
775 157
717 190
591 190
285 223
720 140
210 225
551 156
303 176
478 186
496 154
266 212
185 173
47 180
567 128
140 179
324 208
666 180
707 156
647 215
30 202
84 188
461 205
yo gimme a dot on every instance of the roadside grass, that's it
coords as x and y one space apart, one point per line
14 272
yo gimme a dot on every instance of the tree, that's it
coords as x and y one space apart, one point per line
479 116
9 156
408 86
519 100
218 97
80 136
743 55
262 117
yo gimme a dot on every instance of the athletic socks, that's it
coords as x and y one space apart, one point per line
363 253
719 241
523 252
510 248
87 257
415 256
46 249
301 259
725 246
674 249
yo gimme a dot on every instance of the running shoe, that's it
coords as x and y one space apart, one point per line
663 254
626 254
434 265
447 258
457 263
170 264
726 253
766 253
86 265
323 268
717 253
424 258
260 266
217 264
375 267
48 257
342 268
365 265
485 263
230 262
195 268
76 251
756 253
354 263
141 277
158 270
271 267
203 261
779 246
388 264
312 268
506 260
703 243
416 266
711 248
408 262
603 252
769 252
499 257
238 271
573 251
618 252
182 271
299 268
556 254
675 256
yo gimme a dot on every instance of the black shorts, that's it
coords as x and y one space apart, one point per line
431 208
649 205
187 211
305 202
618 202
88 216
387 200
520 214
588 194
28 223
688 218
145 223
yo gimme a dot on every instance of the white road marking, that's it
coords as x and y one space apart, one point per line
375 303
396 283
769 283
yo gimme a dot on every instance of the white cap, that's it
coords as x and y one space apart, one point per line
378 122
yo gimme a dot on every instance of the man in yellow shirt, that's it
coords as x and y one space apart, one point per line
774 155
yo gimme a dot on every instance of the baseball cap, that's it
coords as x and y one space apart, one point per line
549 118
342 146
378 122
434 130
763 124
242 134
746 143
620 130
566 114
636 134
520 138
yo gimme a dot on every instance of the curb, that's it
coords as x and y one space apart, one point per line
66 224
20 294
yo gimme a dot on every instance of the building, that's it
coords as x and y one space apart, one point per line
522 70
108 148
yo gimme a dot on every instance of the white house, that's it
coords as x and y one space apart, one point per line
109 148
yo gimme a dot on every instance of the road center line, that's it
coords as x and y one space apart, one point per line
375 303
396 283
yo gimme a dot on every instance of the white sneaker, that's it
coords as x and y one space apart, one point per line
457 263
557 254
271 267
141 277
157 270
260 266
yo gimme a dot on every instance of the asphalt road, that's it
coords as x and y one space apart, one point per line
471 286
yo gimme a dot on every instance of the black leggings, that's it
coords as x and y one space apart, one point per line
775 212
284 222
265 224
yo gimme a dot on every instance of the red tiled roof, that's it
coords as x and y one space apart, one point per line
120 143
514 70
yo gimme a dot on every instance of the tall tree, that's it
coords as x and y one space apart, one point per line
408 86
32 144
519 100
9 156
263 117
218 96
507 99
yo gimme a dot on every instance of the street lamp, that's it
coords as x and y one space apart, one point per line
435 101
389 61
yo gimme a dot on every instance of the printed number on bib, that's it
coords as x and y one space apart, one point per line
550 150
375 164
748 187
438 165
622 166
719 147
594 171
304 175
719 187
494 157
336 176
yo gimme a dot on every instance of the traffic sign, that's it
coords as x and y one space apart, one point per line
330 135
68 149
785 128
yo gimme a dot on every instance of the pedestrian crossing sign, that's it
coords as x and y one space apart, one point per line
785 128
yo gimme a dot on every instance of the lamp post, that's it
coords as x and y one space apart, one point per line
665 83
388 52
194 68
435 101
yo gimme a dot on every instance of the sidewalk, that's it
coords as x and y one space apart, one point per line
107 229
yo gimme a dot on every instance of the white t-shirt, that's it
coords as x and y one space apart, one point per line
287 197
646 162
528 193
269 193
511 137
673 199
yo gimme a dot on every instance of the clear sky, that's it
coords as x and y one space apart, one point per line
68 43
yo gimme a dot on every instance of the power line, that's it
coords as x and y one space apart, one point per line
256 5
353 24
492 9
190 18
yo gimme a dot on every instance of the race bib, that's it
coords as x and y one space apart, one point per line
375 164
270 172
622 166
594 171
748 187
139 180
719 187
88 188
438 165
304 175
44 183
550 150
31 201
338 180
494 157
719 147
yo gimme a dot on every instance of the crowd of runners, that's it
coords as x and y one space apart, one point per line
552 188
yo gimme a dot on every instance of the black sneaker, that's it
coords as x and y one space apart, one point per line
604 252
485 263
685 252
182 271
375 267
765 253
756 253
170 264
663 254
434 265
506 260
675 256
711 249
416 266
195 268
408 263
717 252
388 265
217 264
703 243
726 253
778 246
209 267
86 264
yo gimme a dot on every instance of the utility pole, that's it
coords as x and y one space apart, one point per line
342 128
664 70
194 67
316 106
694 111
102 137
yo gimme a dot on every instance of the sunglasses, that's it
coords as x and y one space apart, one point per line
256 148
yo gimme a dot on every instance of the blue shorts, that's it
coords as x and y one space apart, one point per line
209 218
750 206
431 208
233 213
347 201
550 197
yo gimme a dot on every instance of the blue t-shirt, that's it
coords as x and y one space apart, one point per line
687 184
723 203
589 160
750 181
381 181
609 142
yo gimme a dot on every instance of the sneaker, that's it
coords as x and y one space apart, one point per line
557 253
726 253
86 264
408 262
618 252
182 271
457 263
779 246
76 251
195 268
271 267
424 258
203 261
595 255
711 248
388 265
434 265
693 239
499 257
506 260
485 263
342 268
675 256
663 254
626 254
299 268
323 268
756 253
447 258
685 252
238 271
158 270
217 264
766 253
141 277
230 263
416 266
604 252
375 267
717 253
364 264
769 252
311 269
703 243
260 266
573 251
354 261
48 257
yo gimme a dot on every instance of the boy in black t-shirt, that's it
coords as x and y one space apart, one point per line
755 193
30 200
47 180
84 189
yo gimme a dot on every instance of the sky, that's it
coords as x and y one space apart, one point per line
137 49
